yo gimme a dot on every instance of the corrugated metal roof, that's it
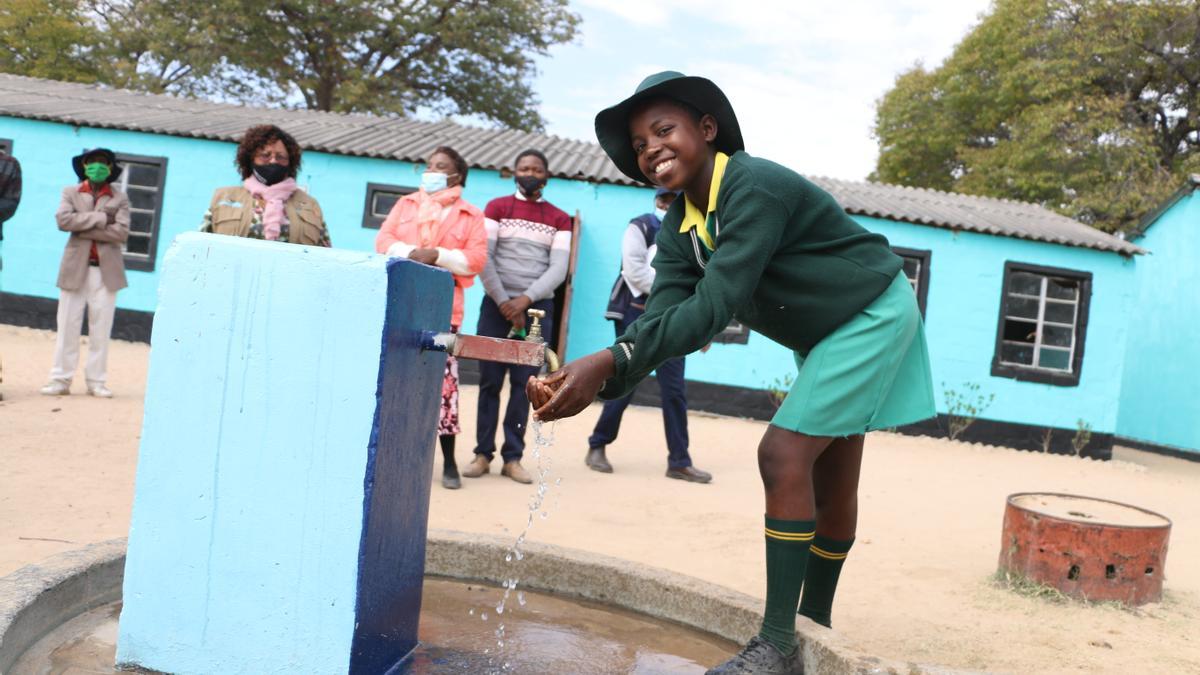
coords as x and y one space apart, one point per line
987 215
347 134
412 140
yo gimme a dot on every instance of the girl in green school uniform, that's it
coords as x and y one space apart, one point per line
756 242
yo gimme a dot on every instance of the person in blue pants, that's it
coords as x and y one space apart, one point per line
626 303
529 247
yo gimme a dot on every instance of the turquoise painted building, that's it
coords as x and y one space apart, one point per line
1028 313
1160 389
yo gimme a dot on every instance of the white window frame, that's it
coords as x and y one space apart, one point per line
1035 372
143 261
1041 323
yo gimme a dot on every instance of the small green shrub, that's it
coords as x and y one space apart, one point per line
963 408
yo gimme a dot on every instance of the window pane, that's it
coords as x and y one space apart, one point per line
1057 336
1020 331
1023 307
1058 359
383 202
140 198
145 175
1020 354
141 221
1060 312
138 244
1063 289
912 268
1025 283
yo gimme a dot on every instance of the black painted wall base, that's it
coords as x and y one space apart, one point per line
35 312
1055 440
1167 450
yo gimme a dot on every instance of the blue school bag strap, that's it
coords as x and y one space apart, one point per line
621 298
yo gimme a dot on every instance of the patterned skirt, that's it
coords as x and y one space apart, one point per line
448 425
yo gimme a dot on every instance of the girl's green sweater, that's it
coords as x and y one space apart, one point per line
789 263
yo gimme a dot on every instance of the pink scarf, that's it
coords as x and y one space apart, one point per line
429 212
274 195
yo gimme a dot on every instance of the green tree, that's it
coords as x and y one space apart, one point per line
46 38
453 56
1089 107
391 57
164 47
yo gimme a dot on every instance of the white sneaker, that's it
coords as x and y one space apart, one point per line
56 388
99 391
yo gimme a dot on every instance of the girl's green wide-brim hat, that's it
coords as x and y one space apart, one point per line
612 124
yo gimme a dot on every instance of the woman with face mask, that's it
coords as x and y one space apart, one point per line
529 250
436 226
96 214
268 204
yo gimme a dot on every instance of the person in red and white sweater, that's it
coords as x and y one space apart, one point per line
529 246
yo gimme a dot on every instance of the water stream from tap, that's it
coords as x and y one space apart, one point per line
538 509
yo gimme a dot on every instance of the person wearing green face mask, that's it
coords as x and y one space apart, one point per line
96 214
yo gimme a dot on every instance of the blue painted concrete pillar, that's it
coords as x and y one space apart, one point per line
283 480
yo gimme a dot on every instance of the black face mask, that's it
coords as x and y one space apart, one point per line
270 174
529 185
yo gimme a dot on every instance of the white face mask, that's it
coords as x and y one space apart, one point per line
661 213
432 181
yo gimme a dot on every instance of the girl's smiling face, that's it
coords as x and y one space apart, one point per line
672 146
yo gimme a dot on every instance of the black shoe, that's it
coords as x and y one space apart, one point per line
760 657
596 460
690 474
450 479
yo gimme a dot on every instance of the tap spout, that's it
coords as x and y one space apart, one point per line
532 351
500 350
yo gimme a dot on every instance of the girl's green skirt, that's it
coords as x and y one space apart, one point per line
871 373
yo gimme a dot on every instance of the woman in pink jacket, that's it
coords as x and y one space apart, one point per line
436 226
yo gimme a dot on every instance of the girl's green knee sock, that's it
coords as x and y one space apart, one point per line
826 557
787 557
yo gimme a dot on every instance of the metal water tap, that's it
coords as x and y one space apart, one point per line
535 335
532 351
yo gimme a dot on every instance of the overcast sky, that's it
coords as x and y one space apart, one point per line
803 75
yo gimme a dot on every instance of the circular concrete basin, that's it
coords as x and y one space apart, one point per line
706 621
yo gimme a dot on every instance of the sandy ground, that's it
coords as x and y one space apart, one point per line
916 585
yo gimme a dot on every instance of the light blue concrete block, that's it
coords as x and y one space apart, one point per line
265 374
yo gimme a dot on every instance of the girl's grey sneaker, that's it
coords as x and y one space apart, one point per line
450 479
760 657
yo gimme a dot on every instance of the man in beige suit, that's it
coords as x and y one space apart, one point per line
92 270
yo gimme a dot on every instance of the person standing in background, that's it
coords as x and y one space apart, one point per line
529 246
268 204
10 188
92 270
10 198
626 303
436 226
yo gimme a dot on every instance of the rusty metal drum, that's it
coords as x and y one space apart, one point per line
1089 549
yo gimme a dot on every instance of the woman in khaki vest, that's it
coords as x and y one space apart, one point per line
268 204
